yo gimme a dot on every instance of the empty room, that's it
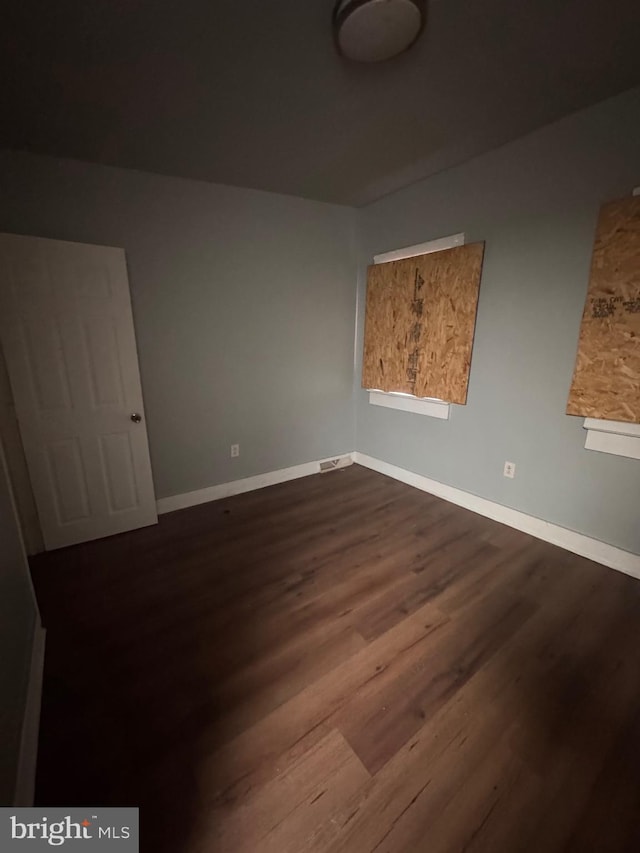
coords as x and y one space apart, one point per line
320 426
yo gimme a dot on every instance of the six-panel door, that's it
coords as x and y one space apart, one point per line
67 332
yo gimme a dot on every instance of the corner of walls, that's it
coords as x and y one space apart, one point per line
358 318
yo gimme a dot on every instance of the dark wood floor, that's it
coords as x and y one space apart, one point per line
343 663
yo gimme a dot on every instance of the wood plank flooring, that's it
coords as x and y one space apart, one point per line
343 663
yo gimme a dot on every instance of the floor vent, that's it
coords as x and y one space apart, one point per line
334 464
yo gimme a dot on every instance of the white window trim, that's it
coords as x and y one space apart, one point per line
407 403
396 399
621 439
421 249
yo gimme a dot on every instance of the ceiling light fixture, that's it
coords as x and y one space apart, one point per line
373 30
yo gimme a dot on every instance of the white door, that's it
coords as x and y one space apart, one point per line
66 329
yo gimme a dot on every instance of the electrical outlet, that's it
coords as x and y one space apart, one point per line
235 450
509 470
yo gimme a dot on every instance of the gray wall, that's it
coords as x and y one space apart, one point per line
535 203
243 302
18 616
244 311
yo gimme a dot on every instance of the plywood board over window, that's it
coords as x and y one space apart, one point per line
419 323
606 380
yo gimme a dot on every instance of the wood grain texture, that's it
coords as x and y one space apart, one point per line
420 321
343 663
606 379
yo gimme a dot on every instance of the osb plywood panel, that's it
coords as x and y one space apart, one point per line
419 323
606 380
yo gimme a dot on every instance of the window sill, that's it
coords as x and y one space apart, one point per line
621 439
407 403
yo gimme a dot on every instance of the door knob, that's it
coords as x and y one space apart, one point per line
136 418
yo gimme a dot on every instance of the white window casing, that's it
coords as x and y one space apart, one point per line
408 403
621 439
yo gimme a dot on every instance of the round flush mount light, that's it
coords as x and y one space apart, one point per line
374 30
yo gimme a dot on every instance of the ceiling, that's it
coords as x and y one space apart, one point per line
253 94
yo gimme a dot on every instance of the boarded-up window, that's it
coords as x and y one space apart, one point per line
606 380
419 323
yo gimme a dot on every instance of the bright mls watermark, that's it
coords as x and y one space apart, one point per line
111 830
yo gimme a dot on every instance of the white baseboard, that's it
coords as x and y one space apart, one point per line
26 777
577 543
248 484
